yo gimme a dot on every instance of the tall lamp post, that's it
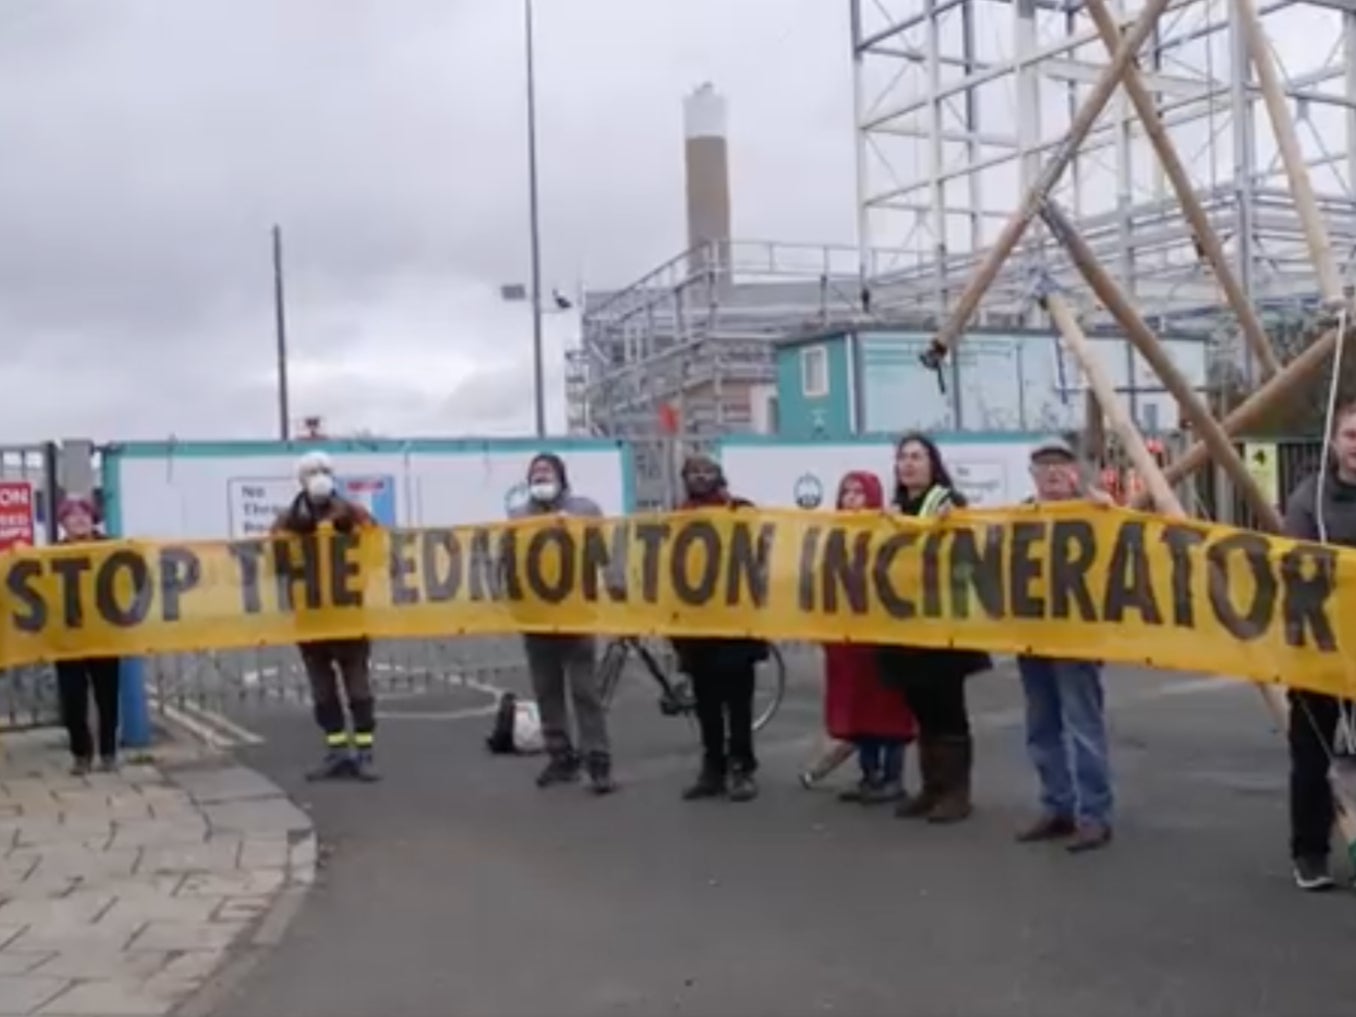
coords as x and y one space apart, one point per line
538 370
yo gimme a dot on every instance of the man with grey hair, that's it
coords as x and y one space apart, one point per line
562 664
1066 734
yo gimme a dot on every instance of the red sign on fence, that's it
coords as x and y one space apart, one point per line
17 515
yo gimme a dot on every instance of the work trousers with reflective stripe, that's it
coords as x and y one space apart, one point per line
347 661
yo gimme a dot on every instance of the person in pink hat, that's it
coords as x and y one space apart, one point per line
76 678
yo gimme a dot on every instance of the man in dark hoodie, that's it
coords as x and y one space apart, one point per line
566 662
722 670
1322 508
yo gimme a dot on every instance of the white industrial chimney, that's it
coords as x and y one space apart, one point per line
708 181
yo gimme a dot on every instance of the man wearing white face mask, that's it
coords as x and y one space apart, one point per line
316 508
565 663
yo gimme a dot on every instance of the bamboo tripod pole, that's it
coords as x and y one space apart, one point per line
1012 232
1205 234
1166 500
1197 412
1320 250
1253 409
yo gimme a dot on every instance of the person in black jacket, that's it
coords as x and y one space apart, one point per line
76 679
1321 508
933 680
722 670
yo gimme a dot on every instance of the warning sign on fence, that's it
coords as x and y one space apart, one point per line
18 526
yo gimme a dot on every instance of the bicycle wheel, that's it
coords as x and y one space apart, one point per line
769 687
610 671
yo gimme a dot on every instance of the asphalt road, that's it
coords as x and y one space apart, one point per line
456 887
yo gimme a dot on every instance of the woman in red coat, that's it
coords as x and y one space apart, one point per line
859 707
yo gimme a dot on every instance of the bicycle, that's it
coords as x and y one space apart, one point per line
676 698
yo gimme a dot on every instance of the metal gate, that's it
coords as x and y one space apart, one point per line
28 694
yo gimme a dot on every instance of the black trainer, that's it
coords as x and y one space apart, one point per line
336 765
709 784
562 769
1312 874
743 788
365 767
600 774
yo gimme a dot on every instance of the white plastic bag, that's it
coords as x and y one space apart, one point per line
527 737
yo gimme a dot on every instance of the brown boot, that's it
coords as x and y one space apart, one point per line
955 756
930 773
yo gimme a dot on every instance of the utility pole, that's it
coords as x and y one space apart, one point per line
280 325
538 371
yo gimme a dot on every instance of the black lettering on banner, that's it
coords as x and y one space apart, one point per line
400 566
106 589
605 559
699 535
1024 569
1129 585
749 558
1181 541
344 568
896 605
440 565
845 571
806 572
978 570
68 572
552 541
180 572
494 570
19 581
247 555
932 573
1255 549
1073 546
296 560
652 537
1309 574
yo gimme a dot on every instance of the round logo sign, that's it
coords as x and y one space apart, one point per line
808 492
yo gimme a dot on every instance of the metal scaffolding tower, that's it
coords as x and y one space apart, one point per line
960 102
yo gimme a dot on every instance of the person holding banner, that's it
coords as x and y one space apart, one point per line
1321 508
1066 734
77 678
859 707
933 680
318 507
567 663
722 670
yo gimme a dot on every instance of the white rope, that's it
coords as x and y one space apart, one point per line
1344 741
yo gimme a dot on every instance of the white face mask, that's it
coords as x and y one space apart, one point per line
319 486
544 492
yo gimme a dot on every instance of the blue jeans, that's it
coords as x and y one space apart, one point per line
881 758
1066 737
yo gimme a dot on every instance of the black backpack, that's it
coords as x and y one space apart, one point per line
500 739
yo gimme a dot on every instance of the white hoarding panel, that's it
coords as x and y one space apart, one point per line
990 470
212 491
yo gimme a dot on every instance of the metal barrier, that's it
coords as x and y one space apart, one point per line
28 694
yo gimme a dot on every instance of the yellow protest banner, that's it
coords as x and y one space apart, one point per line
1064 581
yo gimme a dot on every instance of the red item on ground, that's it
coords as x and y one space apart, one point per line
857 704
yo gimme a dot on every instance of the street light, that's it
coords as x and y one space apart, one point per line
538 370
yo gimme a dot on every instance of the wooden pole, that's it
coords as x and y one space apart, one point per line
1168 503
1206 237
1197 412
1082 123
1254 409
1301 188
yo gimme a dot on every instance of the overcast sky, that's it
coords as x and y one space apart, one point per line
148 147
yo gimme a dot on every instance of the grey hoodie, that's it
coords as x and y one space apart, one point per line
1339 511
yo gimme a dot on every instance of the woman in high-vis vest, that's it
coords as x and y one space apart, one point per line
933 680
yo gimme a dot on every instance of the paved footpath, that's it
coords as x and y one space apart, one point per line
124 893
